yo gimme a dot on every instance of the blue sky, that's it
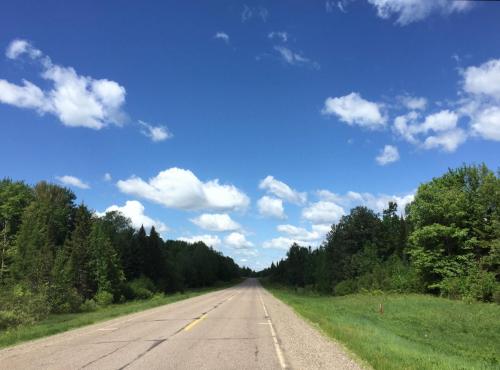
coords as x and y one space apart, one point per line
246 124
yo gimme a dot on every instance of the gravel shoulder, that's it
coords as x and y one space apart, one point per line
304 346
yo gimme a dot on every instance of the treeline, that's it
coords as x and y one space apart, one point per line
56 256
446 242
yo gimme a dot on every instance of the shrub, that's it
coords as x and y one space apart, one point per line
88 306
141 288
346 287
9 319
103 298
496 294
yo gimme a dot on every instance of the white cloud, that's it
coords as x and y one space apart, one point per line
257 12
282 190
377 203
155 133
72 181
222 36
295 59
281 243
271 207
107 177
238 241
323 212
483 80
76 100
409 11
279 35
181 189
299 233
446 135
414 102
448 141
388 155
216 222
354 110
487 123
209 240
134 211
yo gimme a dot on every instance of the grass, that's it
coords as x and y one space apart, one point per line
62 322
414 332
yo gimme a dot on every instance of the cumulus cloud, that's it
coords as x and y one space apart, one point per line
484 79
134 211
388 155
181 189
72 181
295 59
414 102
76 100
279 35
282 190
323 212
216 222
354 110
222 36
410 11
155 133
281 243
438 130
238 241
209 240
486 123
271 207
302 234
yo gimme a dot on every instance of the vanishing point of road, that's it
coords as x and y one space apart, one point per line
242 327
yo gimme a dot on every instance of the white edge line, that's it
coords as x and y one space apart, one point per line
277 348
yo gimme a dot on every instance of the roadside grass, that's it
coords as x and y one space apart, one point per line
414 332
59 323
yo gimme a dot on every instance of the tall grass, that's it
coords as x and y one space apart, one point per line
413 332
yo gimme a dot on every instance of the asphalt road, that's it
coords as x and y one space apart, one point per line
243 327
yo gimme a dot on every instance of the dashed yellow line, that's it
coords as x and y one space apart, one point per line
197 321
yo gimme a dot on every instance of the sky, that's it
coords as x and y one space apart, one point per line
247 125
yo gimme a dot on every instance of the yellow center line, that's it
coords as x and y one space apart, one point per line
198 320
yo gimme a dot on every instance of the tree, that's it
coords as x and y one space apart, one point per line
14 198
44 226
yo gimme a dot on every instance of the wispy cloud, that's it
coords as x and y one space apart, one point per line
72 181
259 12
155 133
295 59
222 36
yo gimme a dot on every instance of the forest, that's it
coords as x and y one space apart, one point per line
59 257
446 242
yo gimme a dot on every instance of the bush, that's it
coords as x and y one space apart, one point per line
496 294
346 287
141 288
88 306
9 319
477 285
103 298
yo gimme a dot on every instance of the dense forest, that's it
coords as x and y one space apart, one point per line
57 257
446 242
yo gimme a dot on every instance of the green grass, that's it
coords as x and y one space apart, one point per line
62 322
414 332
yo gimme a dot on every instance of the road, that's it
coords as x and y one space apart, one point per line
243 327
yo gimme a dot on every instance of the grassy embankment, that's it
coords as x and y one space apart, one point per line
414 331
62 322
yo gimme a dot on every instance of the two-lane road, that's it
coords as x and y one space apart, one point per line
242 327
